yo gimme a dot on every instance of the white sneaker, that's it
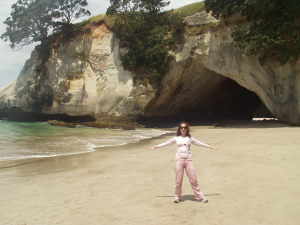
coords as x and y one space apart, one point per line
176 201
204 200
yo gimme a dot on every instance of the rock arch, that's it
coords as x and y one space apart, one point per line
189 91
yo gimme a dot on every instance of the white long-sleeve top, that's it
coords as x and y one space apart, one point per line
183 145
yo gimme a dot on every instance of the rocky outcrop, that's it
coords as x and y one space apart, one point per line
6 94
200 18
191 92
111 122
81 77
208 78
278 86
204 61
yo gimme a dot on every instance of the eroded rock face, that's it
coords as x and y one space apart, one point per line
204 62
209 78
6 94
200 19
278 86
190 91
83 76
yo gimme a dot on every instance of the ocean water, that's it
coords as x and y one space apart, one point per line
24 140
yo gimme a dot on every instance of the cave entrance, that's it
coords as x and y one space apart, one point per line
227 101
193 93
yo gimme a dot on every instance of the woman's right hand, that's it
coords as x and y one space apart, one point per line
154 147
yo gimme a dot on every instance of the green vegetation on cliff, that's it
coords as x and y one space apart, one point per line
274 30
147 33
189 9
148 42
35 20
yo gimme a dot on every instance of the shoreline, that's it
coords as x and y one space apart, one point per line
24 161
251 179
228 124
222 124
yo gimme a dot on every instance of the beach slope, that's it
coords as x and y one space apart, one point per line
253 178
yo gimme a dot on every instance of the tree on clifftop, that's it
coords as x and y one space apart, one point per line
33 20
274 29
29 22
147 33
70 10
148 6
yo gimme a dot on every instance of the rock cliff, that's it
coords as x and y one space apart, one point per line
196 81
81 77
208 78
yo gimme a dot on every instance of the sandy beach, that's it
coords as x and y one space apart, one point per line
253 178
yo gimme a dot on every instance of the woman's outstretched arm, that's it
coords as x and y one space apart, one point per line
196 142
169 142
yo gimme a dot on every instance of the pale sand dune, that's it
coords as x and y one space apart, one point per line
252 179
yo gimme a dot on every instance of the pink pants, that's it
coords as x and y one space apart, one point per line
188 165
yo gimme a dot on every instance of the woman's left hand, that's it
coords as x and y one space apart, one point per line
212 147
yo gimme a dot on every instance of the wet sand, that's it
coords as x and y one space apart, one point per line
253 178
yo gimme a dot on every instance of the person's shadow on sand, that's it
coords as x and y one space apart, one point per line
185 197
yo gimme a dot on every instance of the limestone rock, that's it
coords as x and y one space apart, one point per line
6 95
208 78
83 76
278 86
201 65
61 123
200 18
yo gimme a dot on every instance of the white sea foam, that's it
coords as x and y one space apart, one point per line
41 156
40 140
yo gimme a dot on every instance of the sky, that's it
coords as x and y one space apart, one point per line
12 61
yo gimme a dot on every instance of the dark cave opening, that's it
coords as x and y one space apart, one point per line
229 101
223 102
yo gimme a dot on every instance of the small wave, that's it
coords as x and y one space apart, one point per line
42 146
14 158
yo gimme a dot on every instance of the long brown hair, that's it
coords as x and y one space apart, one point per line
188 129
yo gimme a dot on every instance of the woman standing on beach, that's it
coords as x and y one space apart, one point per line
183 161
